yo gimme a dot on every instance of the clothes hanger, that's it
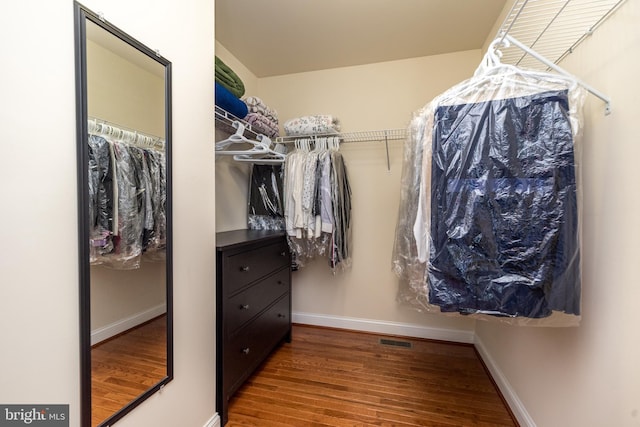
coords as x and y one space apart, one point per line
238 138
272 156
494 79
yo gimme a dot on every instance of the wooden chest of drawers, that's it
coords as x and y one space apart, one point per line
253 313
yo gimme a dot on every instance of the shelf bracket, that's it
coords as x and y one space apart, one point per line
607 101
386 144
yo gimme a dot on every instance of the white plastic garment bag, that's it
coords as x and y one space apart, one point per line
488 219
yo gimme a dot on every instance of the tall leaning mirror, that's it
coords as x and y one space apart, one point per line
123 117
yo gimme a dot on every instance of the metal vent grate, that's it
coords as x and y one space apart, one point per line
395 343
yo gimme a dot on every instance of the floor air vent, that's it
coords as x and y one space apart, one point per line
396 343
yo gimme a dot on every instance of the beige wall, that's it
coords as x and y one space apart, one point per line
369 97
124 93
39 325
118 295
249 79
585 376
589 376
582 376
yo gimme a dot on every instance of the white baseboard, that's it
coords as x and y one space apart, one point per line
514 402
127 323
384 327
214 421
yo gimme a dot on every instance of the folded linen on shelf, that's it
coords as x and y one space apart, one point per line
228 78
229 102
309 125
262 124
257 105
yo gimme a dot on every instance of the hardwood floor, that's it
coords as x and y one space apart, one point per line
328 377
125 366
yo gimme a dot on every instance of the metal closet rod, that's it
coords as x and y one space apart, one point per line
360 136
387 135
132 134
560 70
357 136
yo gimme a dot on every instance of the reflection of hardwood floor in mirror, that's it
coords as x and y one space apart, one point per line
125 366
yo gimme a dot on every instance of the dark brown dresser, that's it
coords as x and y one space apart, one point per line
253 309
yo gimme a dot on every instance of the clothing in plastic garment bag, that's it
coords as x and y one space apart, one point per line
266 210
503 208
501 236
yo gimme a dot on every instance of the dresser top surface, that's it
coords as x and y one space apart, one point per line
228 239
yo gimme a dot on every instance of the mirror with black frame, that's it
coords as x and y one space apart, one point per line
123 98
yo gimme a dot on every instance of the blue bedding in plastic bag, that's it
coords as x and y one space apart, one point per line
504 216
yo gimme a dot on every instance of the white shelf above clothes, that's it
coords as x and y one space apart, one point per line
535 34
241 133
385 135
359 136
224 122
541 33
554 28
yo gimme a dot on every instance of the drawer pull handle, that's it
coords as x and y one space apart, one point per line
283 253
244 307
281 315
245 350
244 268
280 282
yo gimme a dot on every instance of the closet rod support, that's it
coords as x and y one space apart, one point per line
553 66
386 144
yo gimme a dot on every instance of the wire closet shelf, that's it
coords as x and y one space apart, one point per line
541 33
535 34
224 122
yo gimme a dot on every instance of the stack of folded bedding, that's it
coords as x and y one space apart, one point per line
229 102
262 119
229 79
229 89
311 125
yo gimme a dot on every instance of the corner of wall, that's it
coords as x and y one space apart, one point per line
508 392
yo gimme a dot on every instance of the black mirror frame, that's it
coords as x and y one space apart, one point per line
81 15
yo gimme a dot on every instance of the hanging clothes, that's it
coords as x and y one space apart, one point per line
503 208
155 239
101 182
341 201
266 211
131 208
318 204
127 203
494 229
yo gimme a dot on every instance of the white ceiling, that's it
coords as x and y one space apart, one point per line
276 37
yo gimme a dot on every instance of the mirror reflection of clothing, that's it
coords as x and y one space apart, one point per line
127 195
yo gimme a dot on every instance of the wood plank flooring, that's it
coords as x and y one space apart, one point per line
334 378
125 366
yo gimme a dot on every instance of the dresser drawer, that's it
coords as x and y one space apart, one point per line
241 307
247 349
253 305
245 267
